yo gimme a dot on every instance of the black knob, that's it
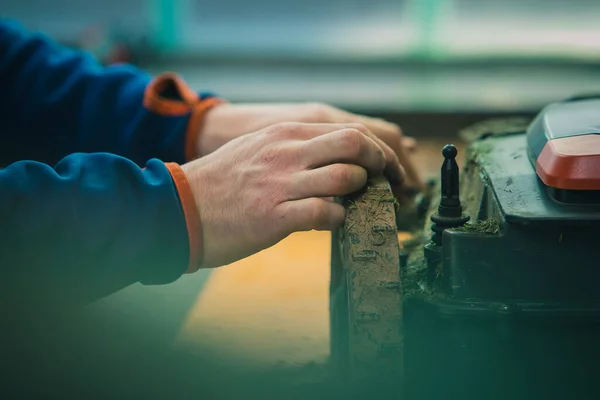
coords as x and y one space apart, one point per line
450 201
449 151
450 213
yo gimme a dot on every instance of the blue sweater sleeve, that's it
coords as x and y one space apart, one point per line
57 101
87 227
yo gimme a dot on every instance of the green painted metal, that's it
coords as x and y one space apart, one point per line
166 15
425 14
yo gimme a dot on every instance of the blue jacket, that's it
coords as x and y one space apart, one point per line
92 198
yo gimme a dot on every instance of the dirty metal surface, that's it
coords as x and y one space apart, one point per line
366 292
521 195
494 127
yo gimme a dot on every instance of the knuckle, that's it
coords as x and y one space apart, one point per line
261 204
256 204
283 129
269 155
390 126
352 141
340 175
385 153
318 212
319 112
343 178
359 127
273 159
383 162
398 130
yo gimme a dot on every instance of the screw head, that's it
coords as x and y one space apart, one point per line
449 151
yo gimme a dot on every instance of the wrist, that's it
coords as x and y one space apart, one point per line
210 133
194 136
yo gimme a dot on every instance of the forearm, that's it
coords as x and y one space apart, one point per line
57 101
90 226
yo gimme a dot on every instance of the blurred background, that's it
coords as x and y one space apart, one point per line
433 66
381 56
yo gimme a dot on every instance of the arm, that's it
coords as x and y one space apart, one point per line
58 101
90 226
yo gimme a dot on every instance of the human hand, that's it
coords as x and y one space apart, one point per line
258 188
226 122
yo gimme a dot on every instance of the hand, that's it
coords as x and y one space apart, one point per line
260 187
229 121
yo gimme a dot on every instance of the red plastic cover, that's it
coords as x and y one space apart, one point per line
571 163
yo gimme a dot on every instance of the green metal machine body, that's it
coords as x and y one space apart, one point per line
500 295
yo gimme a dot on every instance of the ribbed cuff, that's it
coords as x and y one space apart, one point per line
192 216
170 96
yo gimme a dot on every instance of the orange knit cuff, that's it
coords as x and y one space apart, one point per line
192 216
188 102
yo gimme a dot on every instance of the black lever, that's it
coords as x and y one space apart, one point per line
450 201
449 213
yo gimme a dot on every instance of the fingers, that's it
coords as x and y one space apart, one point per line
352 145
311 213
377 125
411 171
393 168
410 144
308 131
391 134
329 181
349 143
348 146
